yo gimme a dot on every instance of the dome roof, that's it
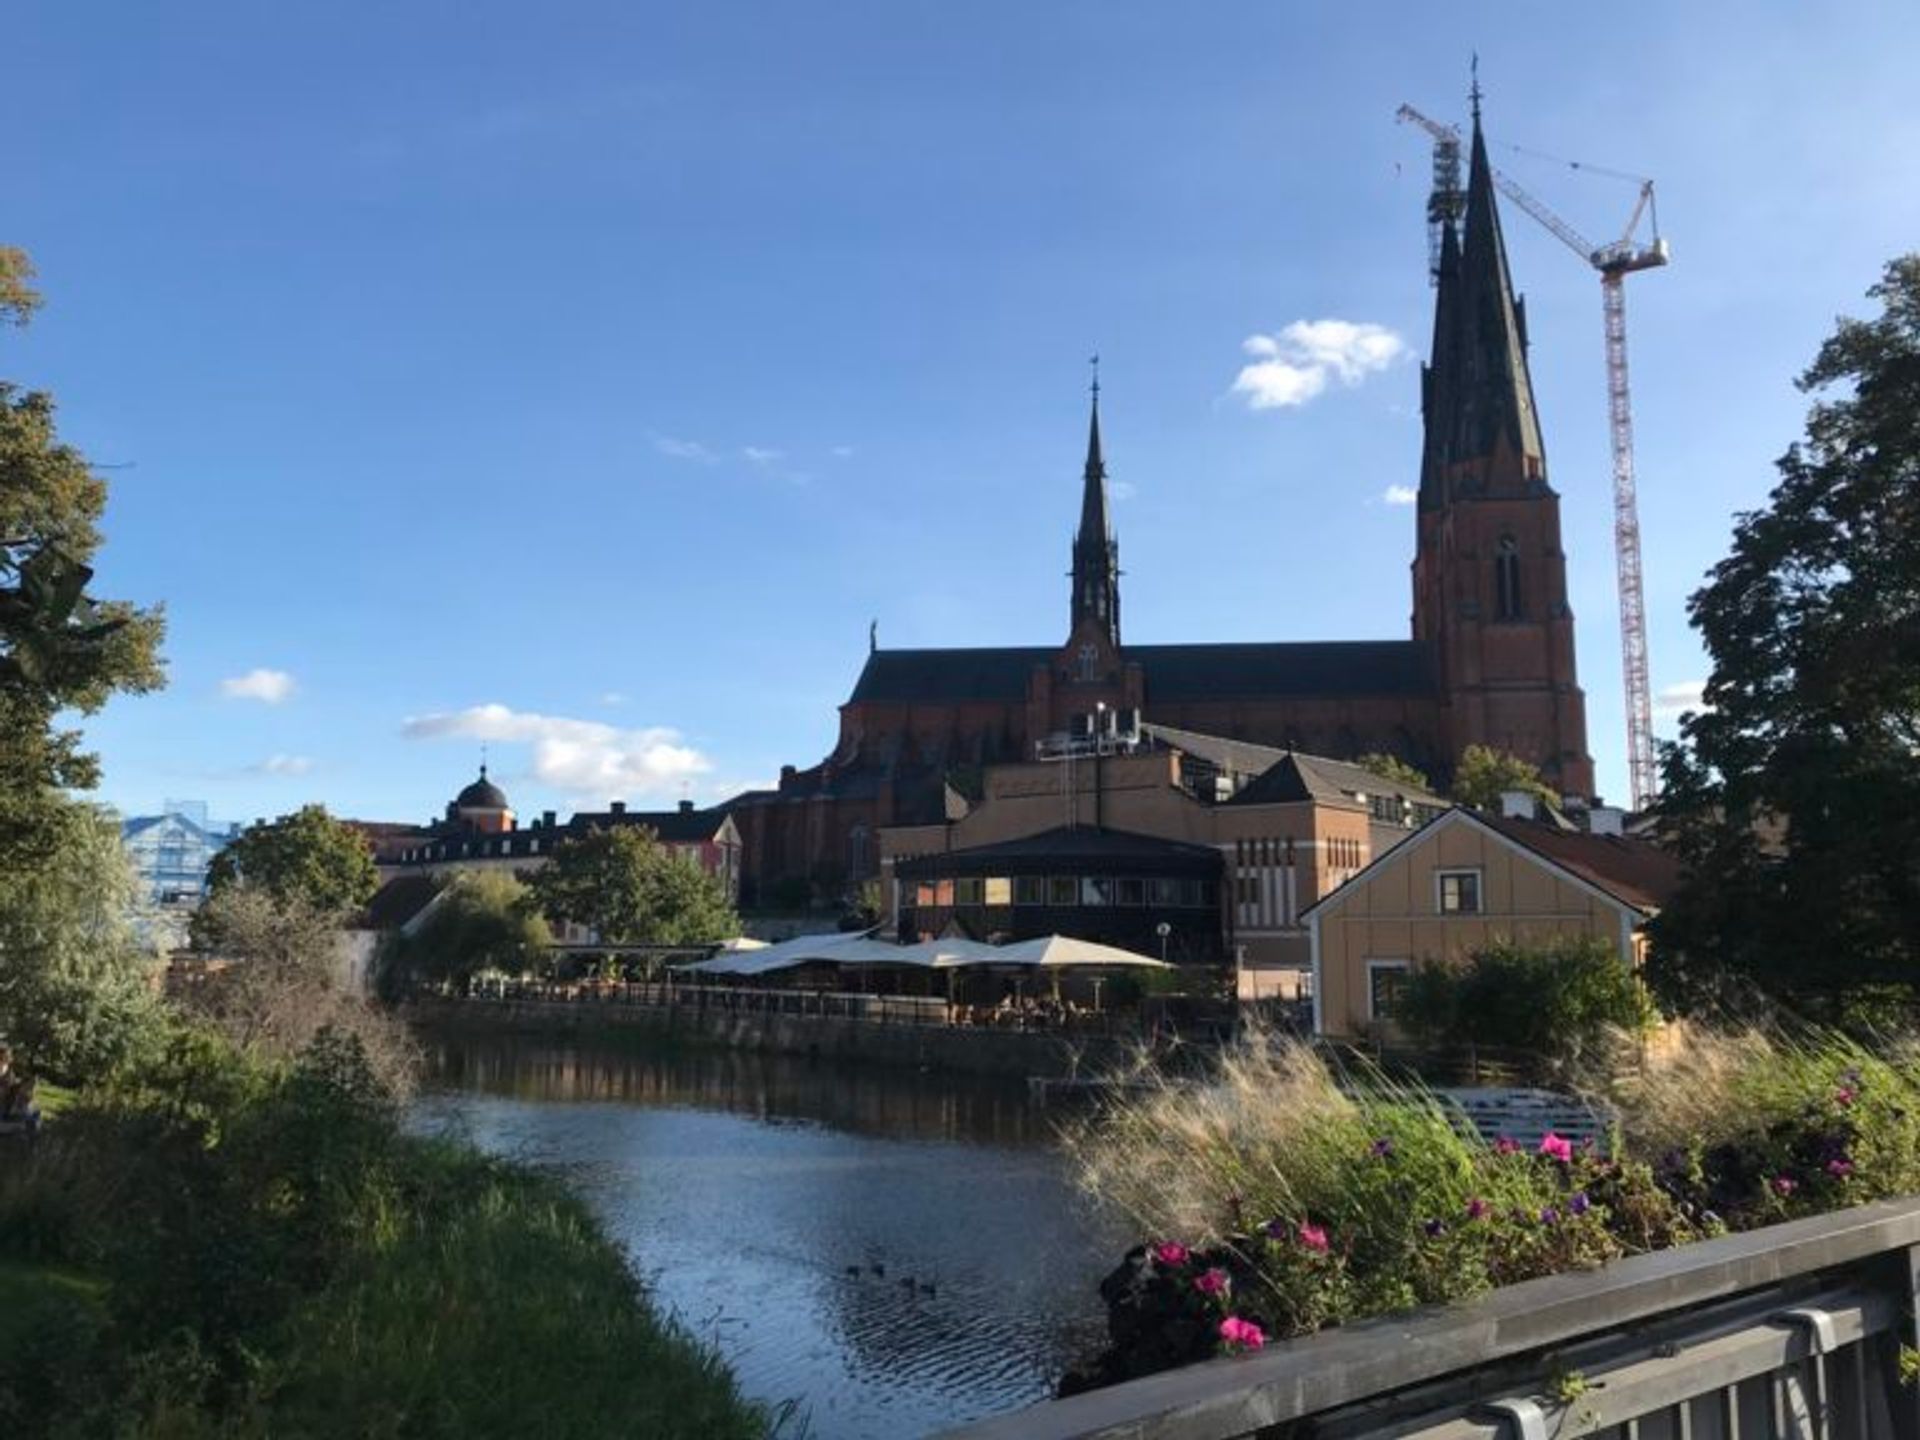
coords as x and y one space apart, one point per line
482 794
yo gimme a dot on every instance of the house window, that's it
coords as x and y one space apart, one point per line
1386 983
1096 890
1506 579
1130 892
1063 890
997 890
1029 889
1166 892
968 891
1458 891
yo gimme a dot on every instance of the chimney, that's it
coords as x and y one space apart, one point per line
546 819
1516 804
1606 820
618 807
686 807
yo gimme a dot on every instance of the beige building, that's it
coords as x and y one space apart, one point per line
1463 882
1289 828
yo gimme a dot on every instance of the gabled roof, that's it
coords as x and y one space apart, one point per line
1120 851
399 901
1630 874
1173 672
674 827
1298 777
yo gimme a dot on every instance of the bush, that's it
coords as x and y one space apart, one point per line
1281 1198
1561 1001
266 1252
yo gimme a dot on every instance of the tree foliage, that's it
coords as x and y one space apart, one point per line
627 887
482 920
1485 774
1559 1000
1395 771
74 993
307 856
1794 794
61 649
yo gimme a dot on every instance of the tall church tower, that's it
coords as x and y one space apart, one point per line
1489 574
1096 553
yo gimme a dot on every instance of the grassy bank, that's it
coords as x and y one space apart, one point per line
226 1250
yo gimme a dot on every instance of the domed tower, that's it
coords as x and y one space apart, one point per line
481 806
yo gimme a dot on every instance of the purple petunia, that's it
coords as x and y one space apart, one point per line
1579 1204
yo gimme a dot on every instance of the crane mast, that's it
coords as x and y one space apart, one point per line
1614 262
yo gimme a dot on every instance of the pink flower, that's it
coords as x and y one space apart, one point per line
1476 1207
1843 1097
1241 1334
1555 1148
1505 1145
1785 1184
1314 1238
1840 1167
1213 1282
1169 1253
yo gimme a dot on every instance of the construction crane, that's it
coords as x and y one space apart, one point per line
1615 261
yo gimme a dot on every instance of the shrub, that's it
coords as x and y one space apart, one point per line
1281 1198
1560 1001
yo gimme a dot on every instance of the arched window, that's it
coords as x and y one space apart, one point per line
1506 579
859 852
1089 657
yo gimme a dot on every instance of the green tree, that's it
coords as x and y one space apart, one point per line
75 997
1559 1000
61 649
482 920
628 888
1395 771
308 855
1485 774
1793 795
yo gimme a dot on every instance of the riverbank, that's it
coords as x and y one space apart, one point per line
233 1251
971 1050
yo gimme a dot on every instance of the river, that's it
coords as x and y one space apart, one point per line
890 1252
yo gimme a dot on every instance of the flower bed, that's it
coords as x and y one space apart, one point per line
1284 1199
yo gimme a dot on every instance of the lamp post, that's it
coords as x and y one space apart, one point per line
1163 930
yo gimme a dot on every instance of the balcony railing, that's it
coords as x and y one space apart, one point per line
1794 1330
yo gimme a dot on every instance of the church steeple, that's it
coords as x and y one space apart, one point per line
1483 435
1096 554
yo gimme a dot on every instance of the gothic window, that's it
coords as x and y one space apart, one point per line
859 851
1088 658
1506 579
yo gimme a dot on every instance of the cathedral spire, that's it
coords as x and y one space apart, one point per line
1482 430
1096 554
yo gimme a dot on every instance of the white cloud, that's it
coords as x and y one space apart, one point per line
282 765
759 454
1400 495
269 687
587 758
1677 699
684 450
1293 367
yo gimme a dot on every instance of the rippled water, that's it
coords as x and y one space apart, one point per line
894 1252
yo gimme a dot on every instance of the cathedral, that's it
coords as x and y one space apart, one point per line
1490 659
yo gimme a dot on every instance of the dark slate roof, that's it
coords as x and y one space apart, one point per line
1173 672
1110 851
1328 782
482 794
674 827
904 677
399 900
1635 872
1230 757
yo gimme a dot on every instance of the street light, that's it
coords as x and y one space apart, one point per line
1163 929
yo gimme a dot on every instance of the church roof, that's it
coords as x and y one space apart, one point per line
482 794
1173 672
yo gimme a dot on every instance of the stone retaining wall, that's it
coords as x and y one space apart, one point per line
827 1037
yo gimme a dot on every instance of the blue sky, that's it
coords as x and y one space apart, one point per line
613 365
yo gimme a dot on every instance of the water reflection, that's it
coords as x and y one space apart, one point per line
896 1251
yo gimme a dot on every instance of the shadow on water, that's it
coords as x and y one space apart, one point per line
894 1250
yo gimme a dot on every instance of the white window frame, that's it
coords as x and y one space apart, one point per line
1374 967
1479 889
